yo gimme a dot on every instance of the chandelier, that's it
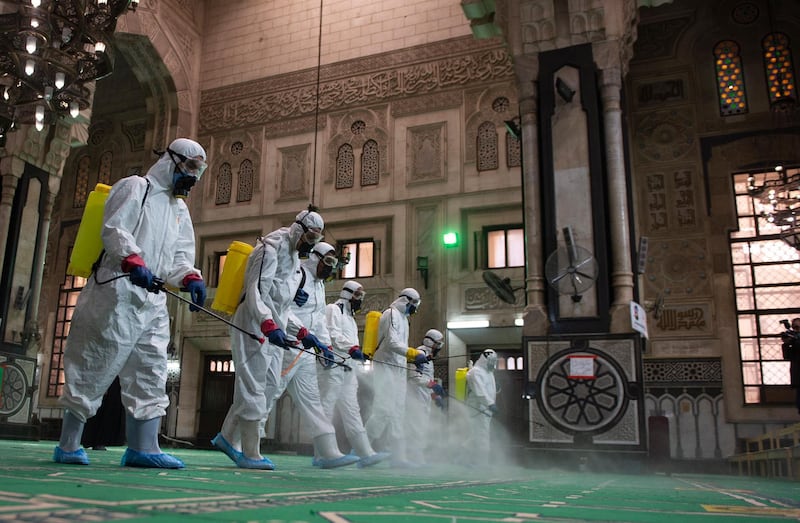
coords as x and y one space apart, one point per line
49 50
776 195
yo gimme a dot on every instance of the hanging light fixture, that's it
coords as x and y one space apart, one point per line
49 50
776 198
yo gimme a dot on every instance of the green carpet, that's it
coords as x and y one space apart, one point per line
212 489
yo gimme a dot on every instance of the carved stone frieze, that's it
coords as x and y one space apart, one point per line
295 161
482 298
665 135
425 153
291 96
672 372
678 268
669 201
659 39
135 132
425 104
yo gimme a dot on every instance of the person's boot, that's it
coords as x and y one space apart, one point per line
69 449
229 439
367 455
329 454
251 457
143 449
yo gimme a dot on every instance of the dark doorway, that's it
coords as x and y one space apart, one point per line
217 396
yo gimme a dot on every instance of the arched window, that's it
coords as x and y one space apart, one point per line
104 176
224 183
487 147
730 79
513 151
81 183
778 68
345 167
370 164
244 191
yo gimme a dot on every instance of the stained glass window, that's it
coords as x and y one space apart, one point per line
730 79
778 68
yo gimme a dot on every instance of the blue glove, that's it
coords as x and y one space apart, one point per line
492 408
300 297
275 335
420 360
327 357
439 401
356 353
438 390
312 342
141 276
197 289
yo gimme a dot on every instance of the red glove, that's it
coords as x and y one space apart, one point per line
268 326
134 260
191 277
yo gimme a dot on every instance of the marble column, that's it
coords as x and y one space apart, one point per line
31 335
535 318
11 169
619 226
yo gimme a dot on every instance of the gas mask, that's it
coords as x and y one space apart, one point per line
491 359
182 184
326 265
354 293
412 305
187 171
307 241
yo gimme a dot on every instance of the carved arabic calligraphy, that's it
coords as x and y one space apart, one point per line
364 89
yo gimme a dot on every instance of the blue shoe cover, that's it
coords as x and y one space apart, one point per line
133 458
243 462
77 457
222 444
347 459
374 459
316 462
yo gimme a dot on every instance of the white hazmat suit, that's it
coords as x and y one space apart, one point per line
422 388
267 295
121 329
386 419
339 386
481 397
299 369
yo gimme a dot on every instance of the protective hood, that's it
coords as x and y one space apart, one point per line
433 342
310 220
311 264
349 288
160 174
487 360
408 301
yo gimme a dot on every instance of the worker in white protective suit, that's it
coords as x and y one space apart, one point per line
482 398
339 386
299 370
386 420
121 324
423 390
268 291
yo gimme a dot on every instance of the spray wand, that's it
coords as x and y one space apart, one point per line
158 285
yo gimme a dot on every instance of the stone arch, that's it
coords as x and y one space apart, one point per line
376 130
163 60
479 107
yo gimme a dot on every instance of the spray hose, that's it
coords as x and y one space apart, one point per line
158 286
